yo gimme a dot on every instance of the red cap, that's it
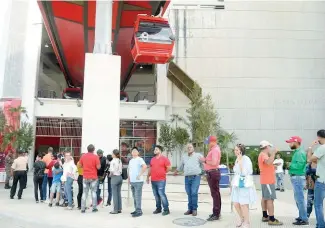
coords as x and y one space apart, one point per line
210 139
294 139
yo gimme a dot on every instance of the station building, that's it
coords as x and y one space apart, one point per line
263 62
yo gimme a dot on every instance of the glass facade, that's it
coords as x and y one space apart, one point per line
66 134
140 134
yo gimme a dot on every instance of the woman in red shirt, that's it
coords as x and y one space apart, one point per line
54 158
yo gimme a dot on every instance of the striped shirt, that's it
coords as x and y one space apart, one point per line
191 164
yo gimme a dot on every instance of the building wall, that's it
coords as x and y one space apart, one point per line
13 36
263 63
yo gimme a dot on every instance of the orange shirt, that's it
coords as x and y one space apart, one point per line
267 172
47 159
213 155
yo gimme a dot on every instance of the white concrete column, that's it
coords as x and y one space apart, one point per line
32 49
162 84
101 102
5 11
103 27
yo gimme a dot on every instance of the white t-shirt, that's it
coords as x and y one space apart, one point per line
279 168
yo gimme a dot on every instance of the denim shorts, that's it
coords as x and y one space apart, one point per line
56 187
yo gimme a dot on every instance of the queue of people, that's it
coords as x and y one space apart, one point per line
306 170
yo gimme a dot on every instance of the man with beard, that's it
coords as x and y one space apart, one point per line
101 174
297 171
159 166
125 154
319 157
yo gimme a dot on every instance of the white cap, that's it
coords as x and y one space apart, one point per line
265 143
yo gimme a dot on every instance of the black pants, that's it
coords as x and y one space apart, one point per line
25 181
20 176
109 189
38 181
49 181
80 189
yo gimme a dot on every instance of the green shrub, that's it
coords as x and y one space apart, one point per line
253 151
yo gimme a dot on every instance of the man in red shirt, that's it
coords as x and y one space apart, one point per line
90 164
211 166
159 166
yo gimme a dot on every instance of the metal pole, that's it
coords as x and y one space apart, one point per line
103 27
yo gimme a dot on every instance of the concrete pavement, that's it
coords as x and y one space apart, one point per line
26 213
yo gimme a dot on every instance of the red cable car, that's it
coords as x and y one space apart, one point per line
72 93
153 40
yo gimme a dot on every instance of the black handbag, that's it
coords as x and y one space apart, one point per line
124 173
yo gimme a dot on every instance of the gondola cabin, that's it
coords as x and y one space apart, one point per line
153 40
72 93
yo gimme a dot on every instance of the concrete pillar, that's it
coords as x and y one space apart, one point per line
5 11
101 102
103 27
162 84
32 50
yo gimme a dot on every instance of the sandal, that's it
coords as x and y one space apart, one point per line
239 223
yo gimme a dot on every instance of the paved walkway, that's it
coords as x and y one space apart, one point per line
26 213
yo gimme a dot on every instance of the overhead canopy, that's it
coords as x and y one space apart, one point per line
71 27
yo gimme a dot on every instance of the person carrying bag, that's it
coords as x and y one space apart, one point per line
243 191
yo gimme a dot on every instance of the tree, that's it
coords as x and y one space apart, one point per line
166 137
225 139
173 138
18 135
2 121
175 118
180 139
203 119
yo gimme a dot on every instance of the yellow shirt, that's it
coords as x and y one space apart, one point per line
80 170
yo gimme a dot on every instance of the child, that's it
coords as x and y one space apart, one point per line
56 184
310 183
39 168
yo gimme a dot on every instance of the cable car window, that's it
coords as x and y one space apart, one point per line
154 33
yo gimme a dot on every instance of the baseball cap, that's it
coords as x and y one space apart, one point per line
264 144
294 139
210 139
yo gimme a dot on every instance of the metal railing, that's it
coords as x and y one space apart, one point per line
47 94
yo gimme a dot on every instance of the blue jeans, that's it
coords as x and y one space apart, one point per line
89 184
310 201
136 188
192 184
279 180
158 188
44 186
318 202
98 192
298 184
68 190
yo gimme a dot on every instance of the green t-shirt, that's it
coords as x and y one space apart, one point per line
298 162
320 171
